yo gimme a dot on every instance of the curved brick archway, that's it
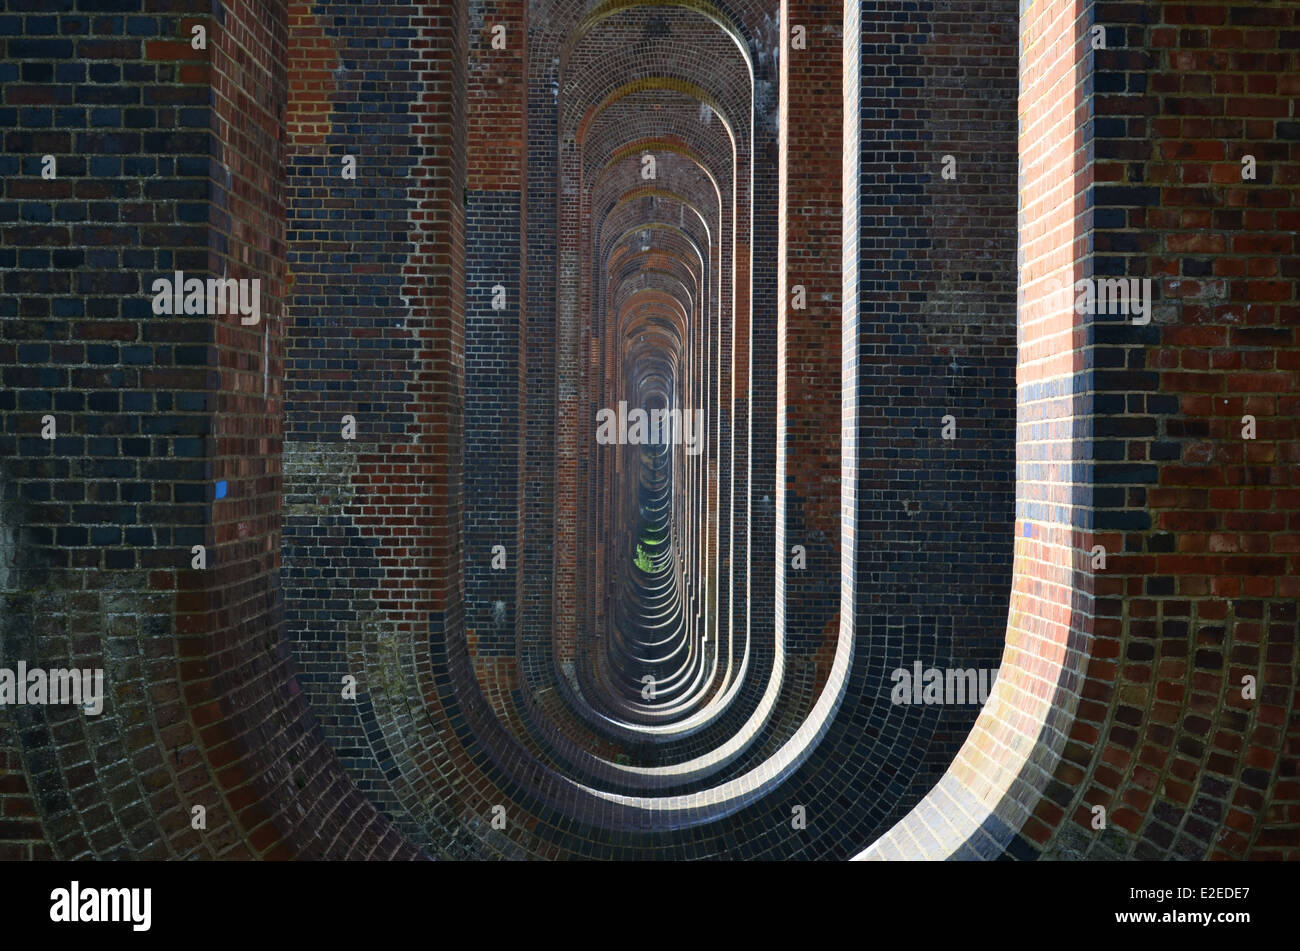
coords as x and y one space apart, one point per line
499 582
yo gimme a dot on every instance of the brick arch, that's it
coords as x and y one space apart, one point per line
1120 688
1122 699
621 222
602 11
676 125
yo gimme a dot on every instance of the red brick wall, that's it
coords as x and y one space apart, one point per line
1120 686
1205 591
1131 438
275 776
808 340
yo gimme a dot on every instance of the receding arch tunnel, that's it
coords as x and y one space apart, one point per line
705 400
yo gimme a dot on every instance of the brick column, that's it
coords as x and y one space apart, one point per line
808 339
495 339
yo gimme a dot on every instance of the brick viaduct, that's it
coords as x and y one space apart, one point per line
832 231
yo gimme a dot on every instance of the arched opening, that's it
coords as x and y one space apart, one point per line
364 580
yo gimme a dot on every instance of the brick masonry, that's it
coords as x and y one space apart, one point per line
1129 679
495 711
